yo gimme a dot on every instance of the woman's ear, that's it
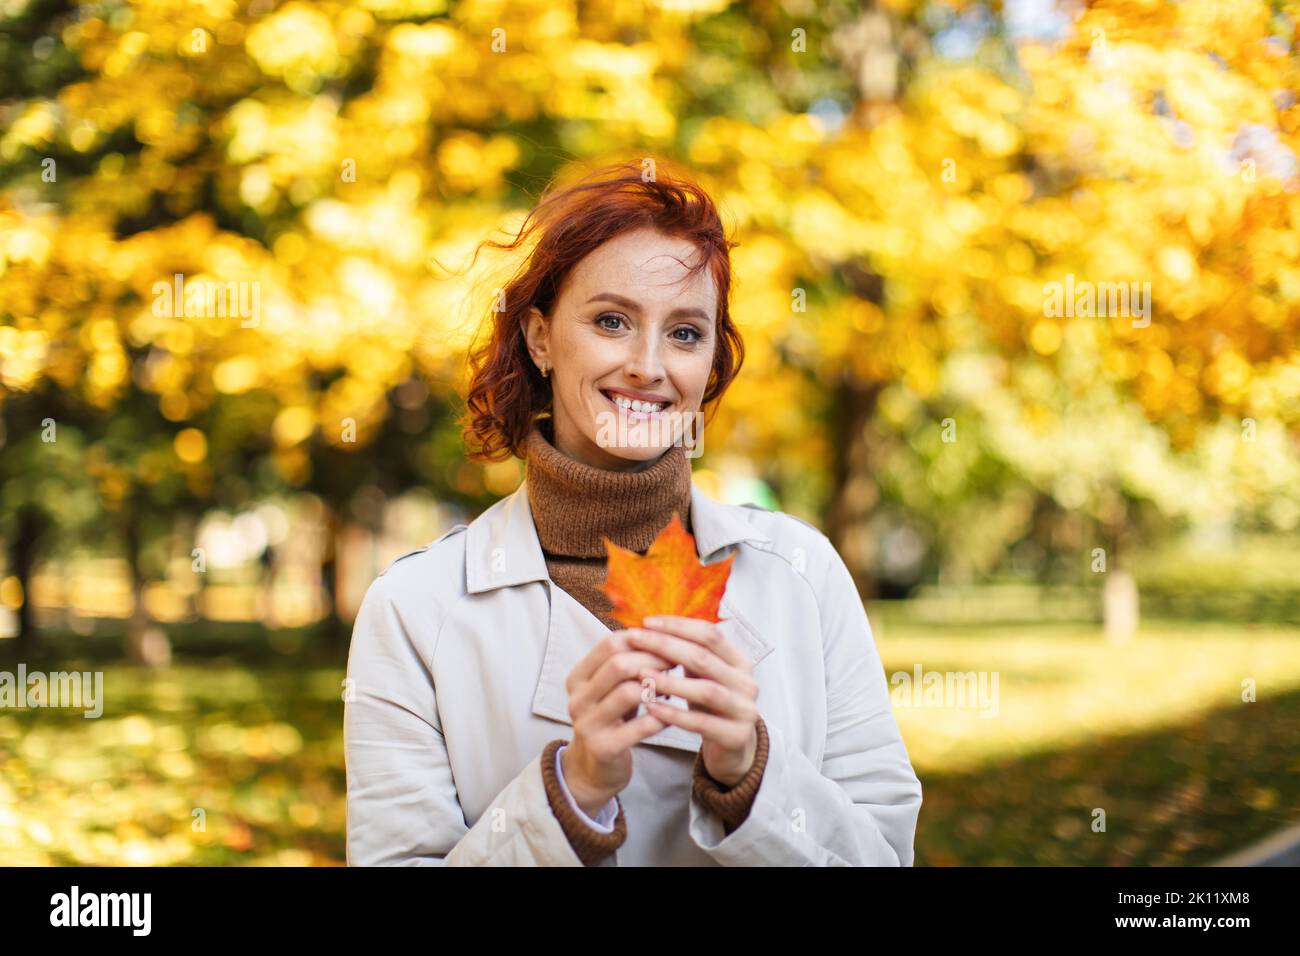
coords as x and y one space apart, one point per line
537 336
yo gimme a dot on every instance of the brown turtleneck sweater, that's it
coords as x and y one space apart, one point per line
575 506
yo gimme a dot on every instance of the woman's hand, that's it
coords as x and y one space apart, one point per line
604 693
719 692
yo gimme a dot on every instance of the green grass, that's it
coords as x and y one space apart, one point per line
1154 733
257 748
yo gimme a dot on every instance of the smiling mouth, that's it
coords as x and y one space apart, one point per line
636 409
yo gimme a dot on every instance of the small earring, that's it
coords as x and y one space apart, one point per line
546 370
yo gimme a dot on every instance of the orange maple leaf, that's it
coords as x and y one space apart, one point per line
669 580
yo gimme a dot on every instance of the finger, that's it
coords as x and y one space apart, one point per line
694 657
616 707
723 731
613 643
622 666
739 682
705 695
634 731
592 660
702 632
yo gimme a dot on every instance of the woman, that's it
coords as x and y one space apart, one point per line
497 714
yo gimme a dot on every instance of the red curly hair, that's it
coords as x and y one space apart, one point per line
506 392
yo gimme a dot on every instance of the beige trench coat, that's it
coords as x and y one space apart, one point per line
456 681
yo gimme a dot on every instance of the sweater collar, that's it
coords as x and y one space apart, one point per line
502 548
575 506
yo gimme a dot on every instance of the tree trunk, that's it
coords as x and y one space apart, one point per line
855 492
146 642
337 633
1119 595
22 559
1119 606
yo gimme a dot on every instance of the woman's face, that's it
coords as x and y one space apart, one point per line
629 328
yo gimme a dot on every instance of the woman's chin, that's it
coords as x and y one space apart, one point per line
634 452
636 439
639 454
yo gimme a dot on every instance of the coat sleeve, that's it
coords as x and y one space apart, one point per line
860 807
402 805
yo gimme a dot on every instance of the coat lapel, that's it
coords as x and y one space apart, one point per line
502 550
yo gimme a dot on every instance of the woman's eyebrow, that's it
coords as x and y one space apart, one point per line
625 302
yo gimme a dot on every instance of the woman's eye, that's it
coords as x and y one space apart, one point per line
609 316
693 335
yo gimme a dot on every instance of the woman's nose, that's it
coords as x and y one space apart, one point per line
644 363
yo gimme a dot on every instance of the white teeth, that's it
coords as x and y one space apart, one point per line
635 405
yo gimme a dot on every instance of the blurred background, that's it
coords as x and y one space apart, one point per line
1020 289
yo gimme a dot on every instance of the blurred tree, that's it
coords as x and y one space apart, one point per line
908 181
1153 149
43 485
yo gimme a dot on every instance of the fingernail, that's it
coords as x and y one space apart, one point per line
653 621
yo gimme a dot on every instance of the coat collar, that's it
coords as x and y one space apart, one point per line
502 550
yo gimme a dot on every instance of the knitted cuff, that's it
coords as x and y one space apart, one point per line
590 844
731 804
